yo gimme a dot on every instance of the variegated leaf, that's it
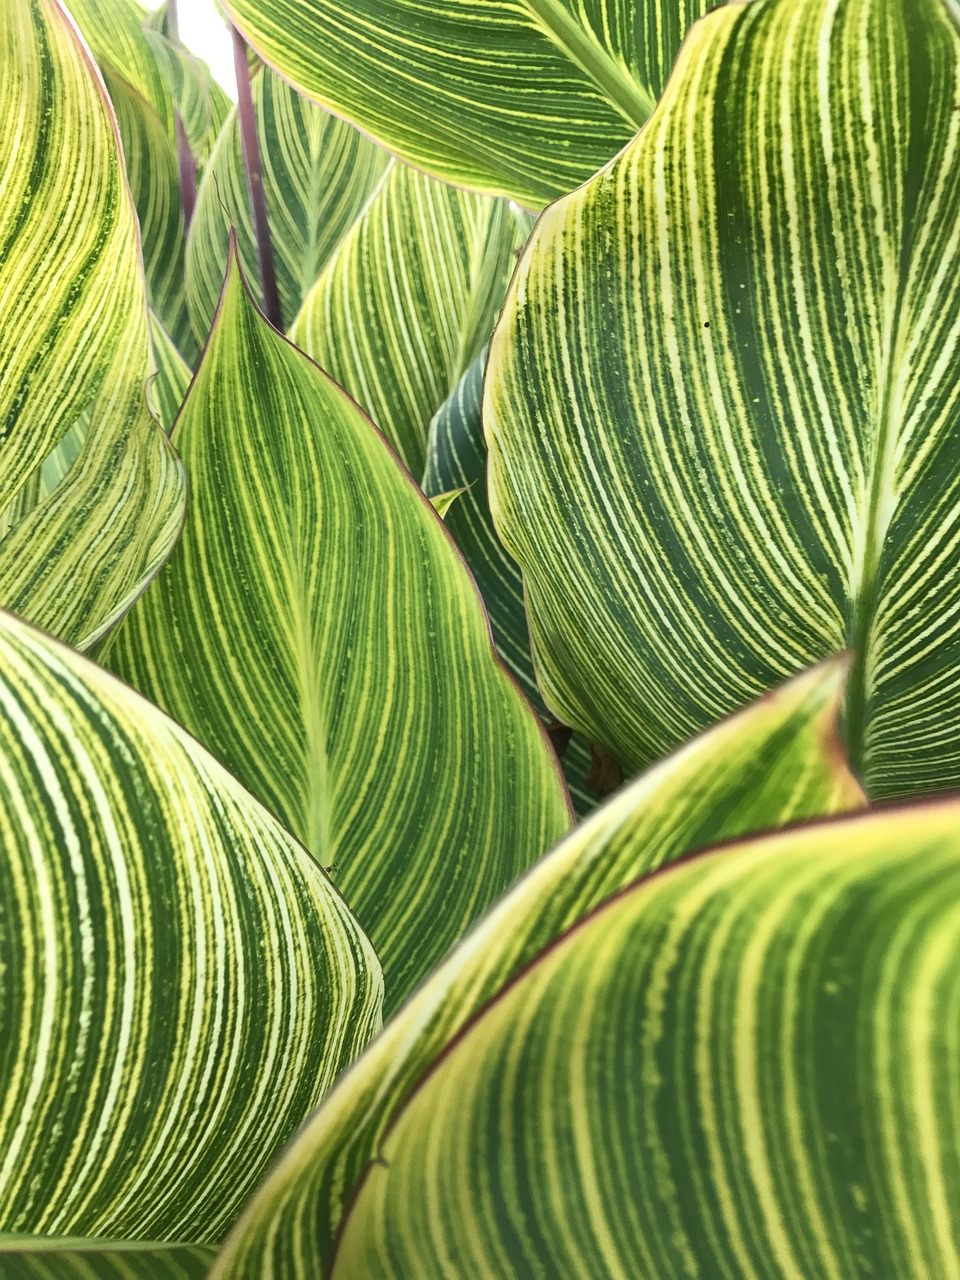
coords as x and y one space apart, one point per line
181 981
317 630
722 402
408 300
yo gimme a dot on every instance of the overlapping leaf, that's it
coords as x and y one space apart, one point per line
169 384
318 632
201 102
722 402
524 98
457 465
318 174
114 31
744 1067
777 762
73 329
408 301
181 980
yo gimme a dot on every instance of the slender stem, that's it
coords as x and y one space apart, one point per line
258 197
185 160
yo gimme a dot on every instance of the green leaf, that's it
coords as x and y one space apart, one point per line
318 174
154 176
524 98
318 632
743 1067
408 301
56 1258
172 377
753 466
73 329
442 502
114 30
774 763
457 462
182 982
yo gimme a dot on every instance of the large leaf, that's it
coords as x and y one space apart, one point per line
722 402
53 1258
746 1066
182 982
318 632
408 301
114 30
457 464
318 175
776 762
202 104
73 330
524 98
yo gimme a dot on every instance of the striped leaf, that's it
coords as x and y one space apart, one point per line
50 1258
523 98
169 386
73 329
776 762
115 32
202 104
457 464
746 1066
153 172
318 632
318 174
182 982
753 467
408 301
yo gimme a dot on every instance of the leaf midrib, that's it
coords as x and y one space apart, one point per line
634 102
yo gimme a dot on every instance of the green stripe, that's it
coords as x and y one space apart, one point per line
182 981
777 762
522 98
408 300
53 1258
721 402
316 630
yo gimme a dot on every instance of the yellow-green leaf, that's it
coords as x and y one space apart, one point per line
181 981
56 1258
169 384
317 630
722 402
524 98
408 301
777 762
73 329
318 174
745 1066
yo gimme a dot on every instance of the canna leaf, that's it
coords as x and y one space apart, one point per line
172 377
318 632
182 982
778 761
753 467
73 328
52 1258
457 462
524 98
201 102
744 1066
408 301
154 176
318 175
115 32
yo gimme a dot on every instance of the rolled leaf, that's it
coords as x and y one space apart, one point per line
722 404
114 29
525 98
745 1066
408 300
182 982
52 1258
318 174
201 102
319 633
457 463
777 762
73 327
